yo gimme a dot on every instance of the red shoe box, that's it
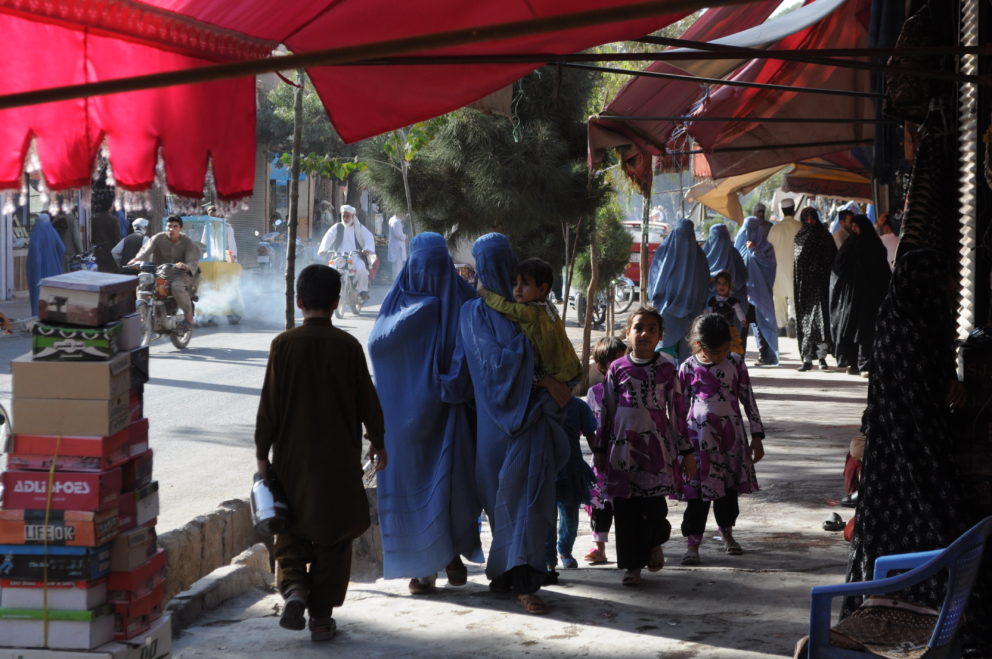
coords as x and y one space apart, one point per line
72 453
138 443
138 507
123 587
137 472
136 402
137 616
73 528
70 491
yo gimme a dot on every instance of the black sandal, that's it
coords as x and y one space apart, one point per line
834 523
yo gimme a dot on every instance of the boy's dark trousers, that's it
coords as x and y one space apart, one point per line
325 584
725 510
641 524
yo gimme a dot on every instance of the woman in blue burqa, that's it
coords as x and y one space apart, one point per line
759 258
722 256
678 285
428 510
44 256
521 444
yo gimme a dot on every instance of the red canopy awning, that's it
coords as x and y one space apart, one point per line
746 144
653 96
52 44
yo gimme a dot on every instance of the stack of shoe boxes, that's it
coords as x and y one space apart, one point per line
79 563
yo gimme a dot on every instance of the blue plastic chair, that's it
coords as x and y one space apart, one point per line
961 560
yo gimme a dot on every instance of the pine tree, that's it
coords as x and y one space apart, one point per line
523 176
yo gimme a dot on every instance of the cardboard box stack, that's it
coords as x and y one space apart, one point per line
80 568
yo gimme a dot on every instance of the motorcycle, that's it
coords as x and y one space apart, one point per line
83 261
620 293
344 263
159 312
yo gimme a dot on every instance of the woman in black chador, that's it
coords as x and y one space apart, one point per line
814 253
858 283
909 498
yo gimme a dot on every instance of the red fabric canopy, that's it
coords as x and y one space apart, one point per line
51 44
644 96
847 28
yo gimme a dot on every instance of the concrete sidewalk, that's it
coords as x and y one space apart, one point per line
753 605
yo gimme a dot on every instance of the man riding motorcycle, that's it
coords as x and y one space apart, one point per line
173 246
346 236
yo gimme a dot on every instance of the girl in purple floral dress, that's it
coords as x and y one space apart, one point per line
640 439
716 383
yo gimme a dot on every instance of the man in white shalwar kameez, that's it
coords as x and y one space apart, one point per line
782 236
347 236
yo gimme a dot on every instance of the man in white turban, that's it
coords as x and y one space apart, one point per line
349 235
782 236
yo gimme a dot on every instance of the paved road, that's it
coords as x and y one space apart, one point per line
201 403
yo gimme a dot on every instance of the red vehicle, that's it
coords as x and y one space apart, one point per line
656 234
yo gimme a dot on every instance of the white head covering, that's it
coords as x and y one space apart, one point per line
788 206
852 206
347 209
140 225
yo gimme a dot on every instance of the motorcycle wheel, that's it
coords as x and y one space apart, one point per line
181 339
356 308
147 325
233 319
599 309
623 296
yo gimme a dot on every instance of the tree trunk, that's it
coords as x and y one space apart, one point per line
294 205
405 170
590 303
570 252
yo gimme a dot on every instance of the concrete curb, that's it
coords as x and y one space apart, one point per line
250 569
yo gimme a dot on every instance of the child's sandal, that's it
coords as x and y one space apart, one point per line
631 578
596 556
691 556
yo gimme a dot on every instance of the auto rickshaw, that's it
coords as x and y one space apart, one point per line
219 282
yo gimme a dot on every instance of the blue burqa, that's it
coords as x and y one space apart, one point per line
679 284
721 255
428 509
44 256
760 262
521 444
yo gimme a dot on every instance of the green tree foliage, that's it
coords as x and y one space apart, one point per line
523 176
614 247
275 123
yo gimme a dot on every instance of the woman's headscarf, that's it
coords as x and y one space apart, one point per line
44 256
430 272
679 282
721 255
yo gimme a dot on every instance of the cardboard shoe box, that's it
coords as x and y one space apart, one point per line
72 453
63 595
44 416
123 587
27 562
98 380
69 528
69 630
77 344
139 366
132 549
86 298
71 490
138 442
138 507
156 643
137 616
137 471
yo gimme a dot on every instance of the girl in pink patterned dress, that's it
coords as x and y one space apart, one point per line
716 383
640 439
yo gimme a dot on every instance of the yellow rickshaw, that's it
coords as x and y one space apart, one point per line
219 282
